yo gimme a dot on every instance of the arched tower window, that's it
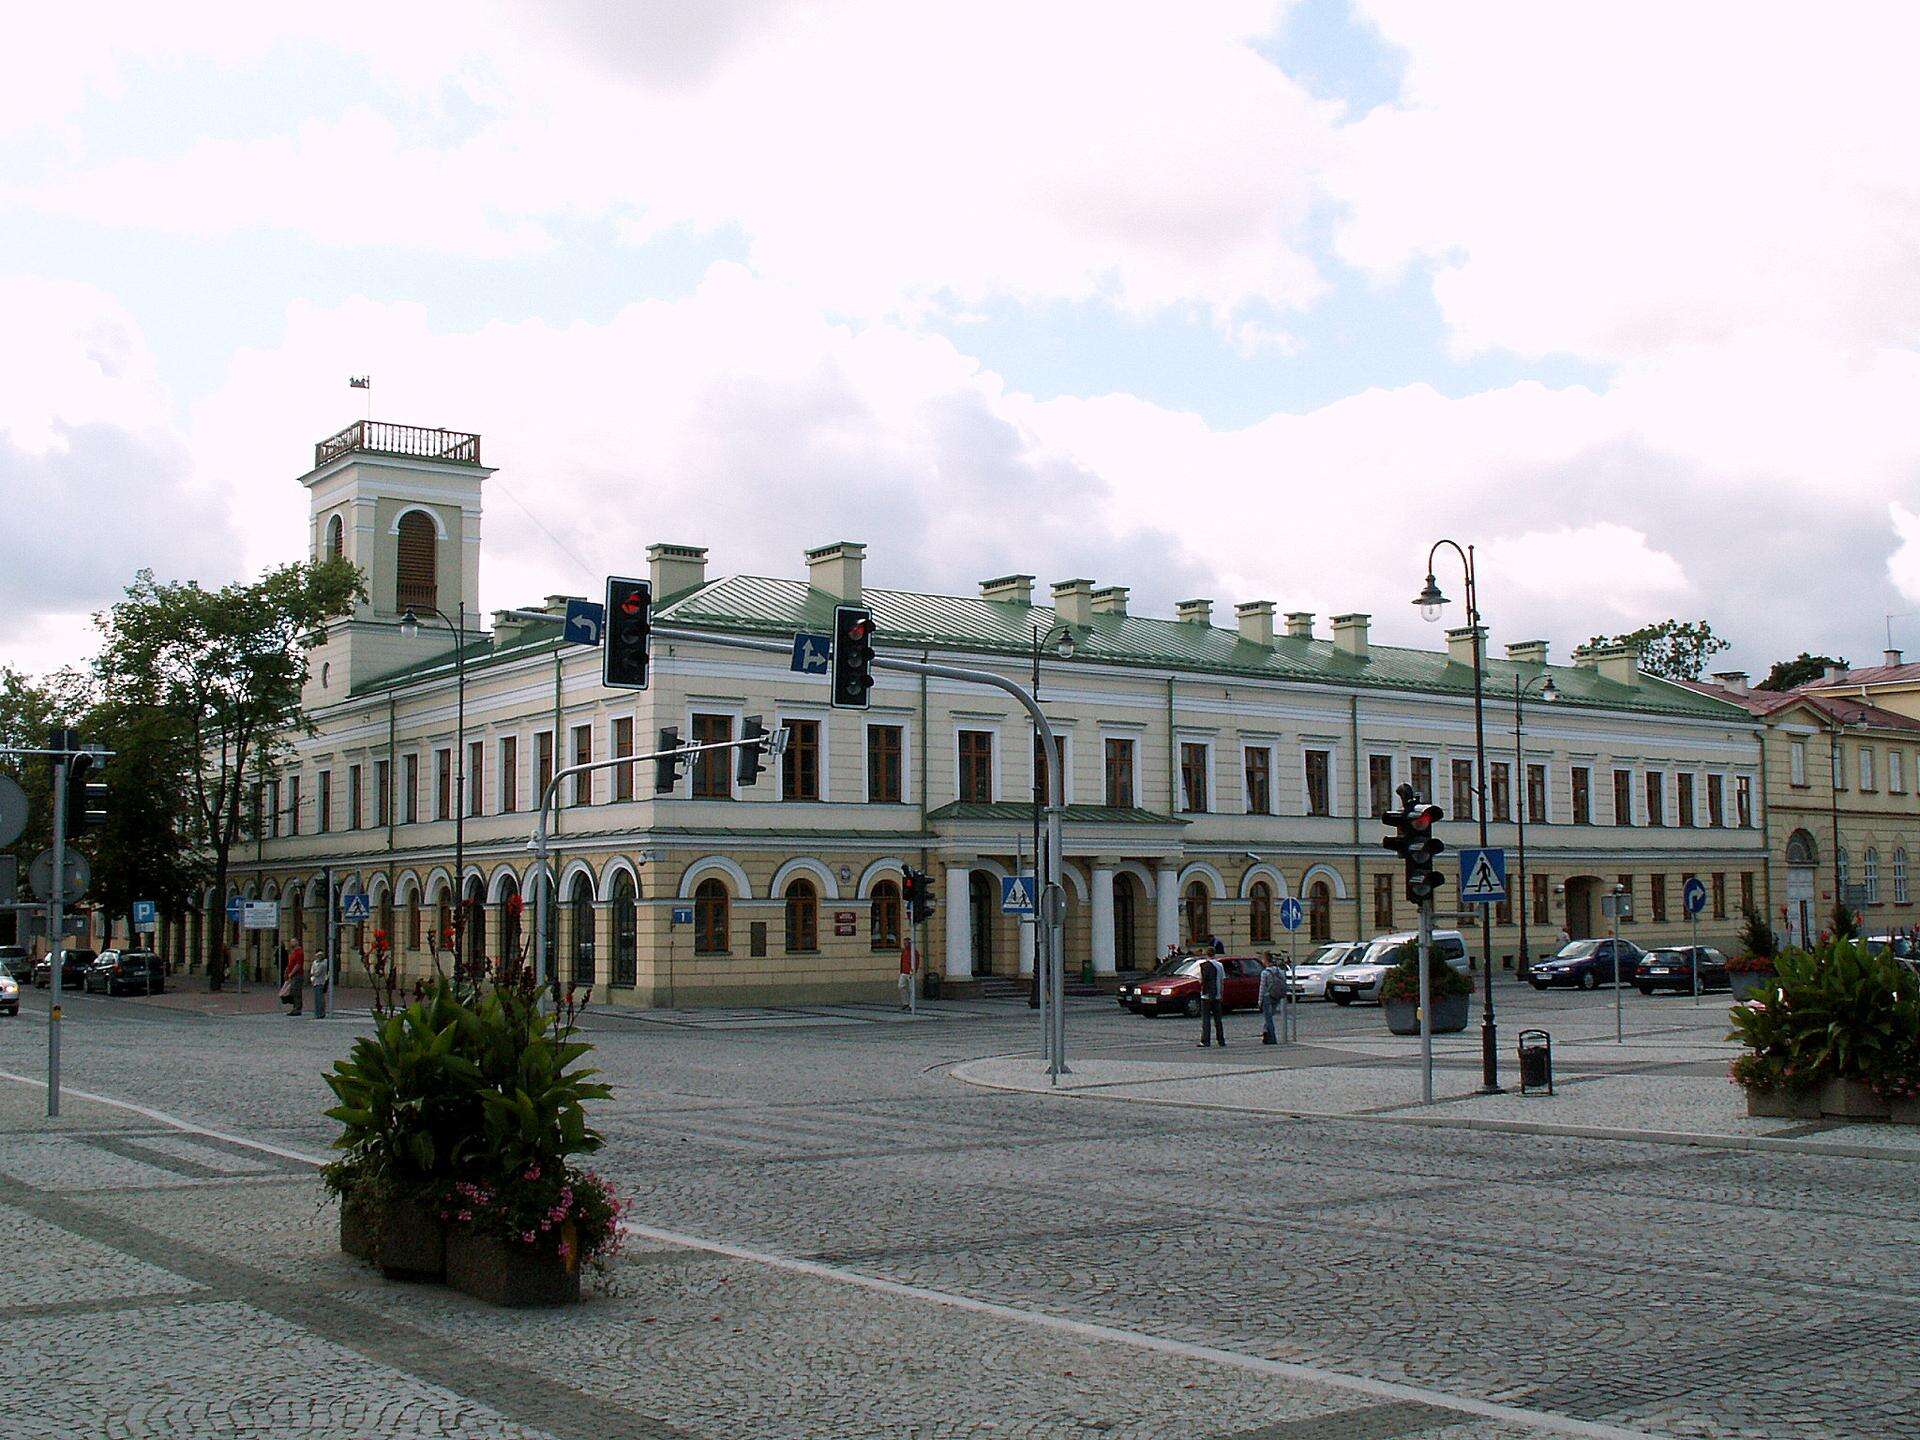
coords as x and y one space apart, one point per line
415 563
336 539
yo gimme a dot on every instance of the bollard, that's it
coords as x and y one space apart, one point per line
1536 1062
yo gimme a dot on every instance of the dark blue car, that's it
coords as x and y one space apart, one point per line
1586 965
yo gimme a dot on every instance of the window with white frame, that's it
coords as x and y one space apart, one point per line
1870 874
1196 765
1257 763
1896 772
1319 781
1866 767
1900 895
1797 763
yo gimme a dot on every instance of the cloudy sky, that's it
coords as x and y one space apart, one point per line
1240 300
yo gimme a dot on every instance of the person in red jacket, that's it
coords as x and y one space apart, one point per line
293 987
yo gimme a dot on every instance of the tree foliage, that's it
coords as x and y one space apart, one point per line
1790 674
1672 649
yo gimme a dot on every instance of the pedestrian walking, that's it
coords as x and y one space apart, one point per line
1212 976
1216 945
293 986
1273 987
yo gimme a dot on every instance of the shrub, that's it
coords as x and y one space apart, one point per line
1757 941
1837 1013
1403 981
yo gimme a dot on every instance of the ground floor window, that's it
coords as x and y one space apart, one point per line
883 916
1197 905
803 918
710 918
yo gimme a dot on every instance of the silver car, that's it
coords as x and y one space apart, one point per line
1310 974
1359 978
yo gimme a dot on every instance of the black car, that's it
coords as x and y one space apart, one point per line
1587 964
74 965
127 972
1671 968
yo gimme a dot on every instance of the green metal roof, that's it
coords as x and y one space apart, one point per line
759 605
1021 812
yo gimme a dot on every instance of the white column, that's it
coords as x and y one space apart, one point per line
959 898
1102 920
1166 909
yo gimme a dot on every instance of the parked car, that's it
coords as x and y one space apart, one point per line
15 963
1671 968
127 972
74 965
9 994
1174 986
1310 974
1587 964
1359 977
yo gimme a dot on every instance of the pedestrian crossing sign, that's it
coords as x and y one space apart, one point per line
1016 896
1483 875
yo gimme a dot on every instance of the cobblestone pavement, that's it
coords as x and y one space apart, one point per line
1661 1290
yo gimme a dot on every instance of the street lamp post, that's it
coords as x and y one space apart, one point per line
1548 694
1061 638
410 627
1431 601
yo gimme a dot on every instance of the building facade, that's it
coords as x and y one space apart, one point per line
1212 770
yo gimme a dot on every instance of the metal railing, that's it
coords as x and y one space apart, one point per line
381 437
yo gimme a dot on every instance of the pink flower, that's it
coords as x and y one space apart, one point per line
526 1237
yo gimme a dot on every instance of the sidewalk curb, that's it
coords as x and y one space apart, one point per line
1700 1140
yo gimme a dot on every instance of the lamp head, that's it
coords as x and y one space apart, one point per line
1430 600
1063 647
1549 692
409 624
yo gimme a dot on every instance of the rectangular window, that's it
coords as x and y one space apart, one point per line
623 745
542 765
1797 763
1383 902
354 809
323 787
1657 888
273 808
1716 800
1719 896
800 766
712 769
1119 761
583 755
1656 797
1193 777
410 790
1626 888
1896 772
976 767
1503 907
1746 891
1502 786
443 784
1536 794
1582 795
1422 778
1379 785
1462 790
1837 762
1683 799
1866 767
1042 776
1623 797
1319 782
1542 899
476 777
382 792
886 767
509 782
293 805
1259 777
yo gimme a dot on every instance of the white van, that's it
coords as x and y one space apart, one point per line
1359 978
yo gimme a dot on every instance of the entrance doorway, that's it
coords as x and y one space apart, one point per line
1126 912
1581 906
982 900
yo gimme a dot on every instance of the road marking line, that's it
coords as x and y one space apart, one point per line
189 1127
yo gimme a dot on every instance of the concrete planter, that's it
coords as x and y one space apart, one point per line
403 1237
490 1269
1744 983
359 1228
1852 1100
1449 1015
1784 1104
1904 1112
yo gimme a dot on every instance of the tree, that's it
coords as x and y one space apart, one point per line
227 666
29 708
138 854
1672 649
1791 674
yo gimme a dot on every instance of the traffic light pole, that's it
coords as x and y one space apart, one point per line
56 903
1426 1002
1053 897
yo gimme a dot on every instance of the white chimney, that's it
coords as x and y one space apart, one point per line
1460 645
1008 590
1193 612
835 569
1528 652
1110 601
1835 673
1618 663
1073 601
1350 635
1256 621
675 569
1735 680
1299 624
1892 656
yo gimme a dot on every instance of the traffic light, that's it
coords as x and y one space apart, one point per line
666 766
629 627
1415 842
753 731
852 656
916 891
86 794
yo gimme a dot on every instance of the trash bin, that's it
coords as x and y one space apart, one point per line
1536 1062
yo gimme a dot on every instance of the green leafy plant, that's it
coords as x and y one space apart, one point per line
1757 940
1403 981
1844 923
1840 1012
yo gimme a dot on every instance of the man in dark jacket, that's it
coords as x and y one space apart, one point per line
1212 976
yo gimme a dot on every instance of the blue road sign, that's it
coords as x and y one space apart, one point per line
1292 912
683 914
1483 875
356 907
1016 896
586 622
144 914
1693 895
812 654
234 907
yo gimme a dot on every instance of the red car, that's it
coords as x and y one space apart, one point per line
1174 986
